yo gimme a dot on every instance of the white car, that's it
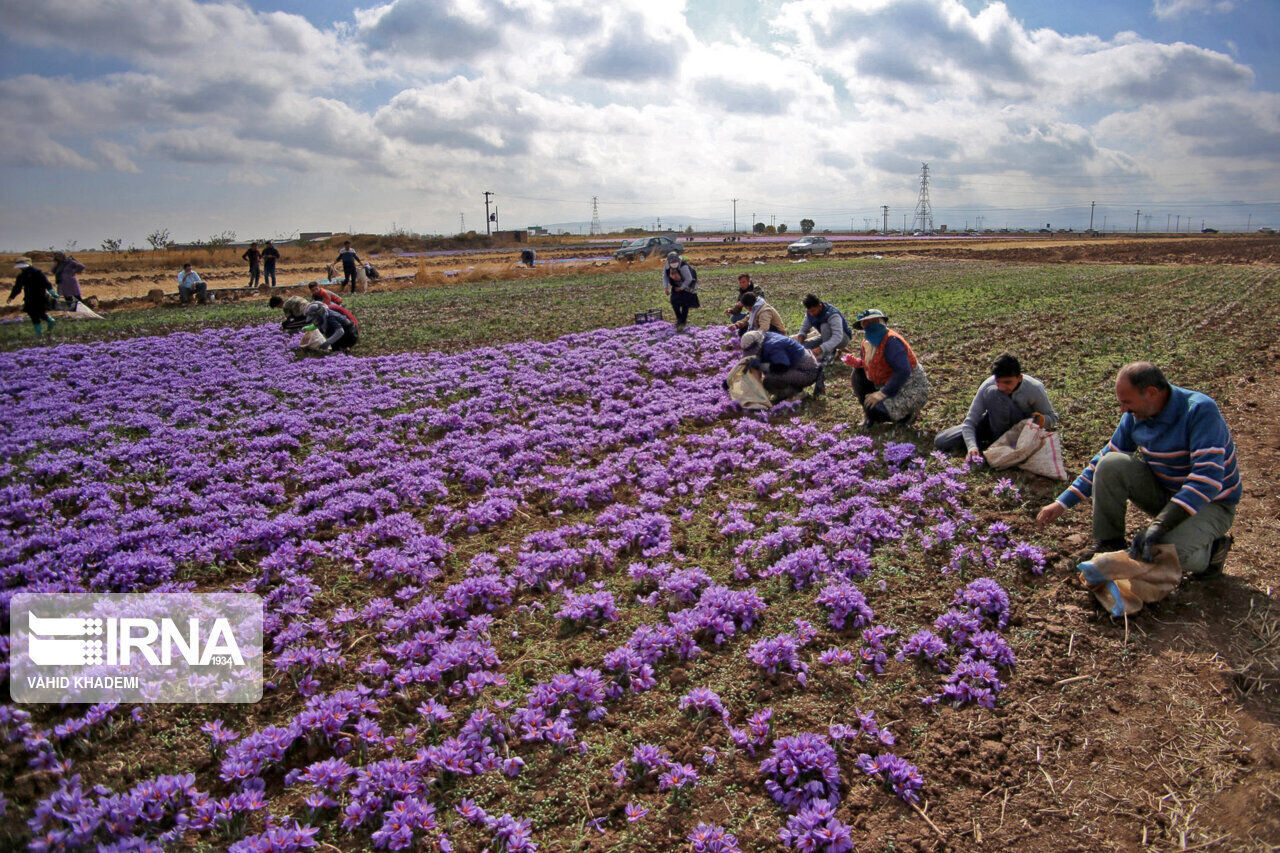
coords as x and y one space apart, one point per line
811 245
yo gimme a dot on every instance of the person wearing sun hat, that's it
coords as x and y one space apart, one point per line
787 366
888 378
35 288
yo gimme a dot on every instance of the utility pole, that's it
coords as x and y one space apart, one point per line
487 217
1136 215
735 216
1104 223
1091 206
1167 218
884 210
773 220
462 223
904 225
595 215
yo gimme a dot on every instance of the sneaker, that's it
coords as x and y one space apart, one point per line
1217 557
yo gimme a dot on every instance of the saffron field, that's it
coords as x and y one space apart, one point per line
544 586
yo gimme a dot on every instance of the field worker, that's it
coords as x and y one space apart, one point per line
787 366
1172 456
254 257
348 258
1004 398
65 270
760 316
833 329
319 294
681 284
739 310
371 272
270 254
888 378
35 287
339 332
189 281
295 309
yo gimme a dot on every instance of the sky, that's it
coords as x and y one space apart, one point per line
124 117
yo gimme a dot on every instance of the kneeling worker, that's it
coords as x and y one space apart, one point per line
339 332
1004 398
890 382
1173 457
787 366
761 316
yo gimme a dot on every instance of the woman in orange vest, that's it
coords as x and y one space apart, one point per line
888 378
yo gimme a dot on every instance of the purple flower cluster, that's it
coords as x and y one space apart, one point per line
902 777
238 460
783 652
801 770
846 604
702 702
588 607
972 626
709 838
816 829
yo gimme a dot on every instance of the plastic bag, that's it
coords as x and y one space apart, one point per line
313 339
747 388
1030 447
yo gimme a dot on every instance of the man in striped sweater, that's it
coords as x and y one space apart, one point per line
1173 457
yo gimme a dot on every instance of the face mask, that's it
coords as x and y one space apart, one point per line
876 332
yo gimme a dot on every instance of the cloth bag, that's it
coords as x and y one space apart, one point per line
1028 446
747 388
1123 584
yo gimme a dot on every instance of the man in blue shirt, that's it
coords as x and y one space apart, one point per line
1173 457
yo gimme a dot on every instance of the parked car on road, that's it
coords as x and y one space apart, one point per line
643 247
811 245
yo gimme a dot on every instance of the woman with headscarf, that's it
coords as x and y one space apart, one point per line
681 284
888 378
65 270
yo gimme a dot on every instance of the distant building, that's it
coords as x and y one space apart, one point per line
538 231
512 236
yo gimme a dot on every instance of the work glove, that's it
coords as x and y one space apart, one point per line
874 398
1170 517
1145 541
1038 419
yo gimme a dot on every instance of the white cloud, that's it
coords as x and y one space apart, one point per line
1166 9
115 156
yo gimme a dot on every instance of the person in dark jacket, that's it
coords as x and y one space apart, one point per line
787 366
348 258
339 332
65 270
254 257
34 286
270 254
681 285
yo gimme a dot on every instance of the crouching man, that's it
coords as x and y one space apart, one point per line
1172 456
339 332
1006 397
787 366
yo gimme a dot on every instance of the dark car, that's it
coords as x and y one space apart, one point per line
643 247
